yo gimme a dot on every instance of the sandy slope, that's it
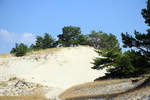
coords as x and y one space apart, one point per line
60 69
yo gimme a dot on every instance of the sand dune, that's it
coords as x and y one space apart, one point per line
60 69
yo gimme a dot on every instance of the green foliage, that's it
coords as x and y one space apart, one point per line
83 40
32 48
109 56
109 41
13 50
70 36
101 40
146 13
121 65
131 63
48 41
140 44
95 39
39 42
45 42
21 50
141 41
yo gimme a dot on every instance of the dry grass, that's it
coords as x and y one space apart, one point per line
5 55
13 79
3 84
142 92
27 97
68 93
42 51
4 63
50 50
103 82
74 92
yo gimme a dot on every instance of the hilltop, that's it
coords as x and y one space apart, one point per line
64 73
58 68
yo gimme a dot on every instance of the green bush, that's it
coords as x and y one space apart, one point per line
44 42
21 50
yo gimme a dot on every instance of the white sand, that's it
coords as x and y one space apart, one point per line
61 69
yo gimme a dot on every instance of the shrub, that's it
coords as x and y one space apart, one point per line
21 50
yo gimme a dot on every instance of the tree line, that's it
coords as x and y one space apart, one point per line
71 36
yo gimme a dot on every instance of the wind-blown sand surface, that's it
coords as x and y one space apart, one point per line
59 69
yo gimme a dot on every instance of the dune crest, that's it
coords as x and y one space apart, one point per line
60 68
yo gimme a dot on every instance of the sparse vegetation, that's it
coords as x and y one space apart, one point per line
41 51
99 89
12 78
41 43
5 55
27 97
3 84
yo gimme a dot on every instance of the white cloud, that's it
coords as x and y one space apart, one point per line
28 38
8 39
12 37
5 35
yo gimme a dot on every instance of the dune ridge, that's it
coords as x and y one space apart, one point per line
60 68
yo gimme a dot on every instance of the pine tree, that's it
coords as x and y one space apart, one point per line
13 50
70 36
48 41
39 42
133 62
140 43
101 40
22 50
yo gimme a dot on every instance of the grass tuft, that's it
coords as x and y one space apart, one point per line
3 84
43 51
5 55
27 97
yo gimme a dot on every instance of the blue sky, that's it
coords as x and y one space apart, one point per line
23 20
